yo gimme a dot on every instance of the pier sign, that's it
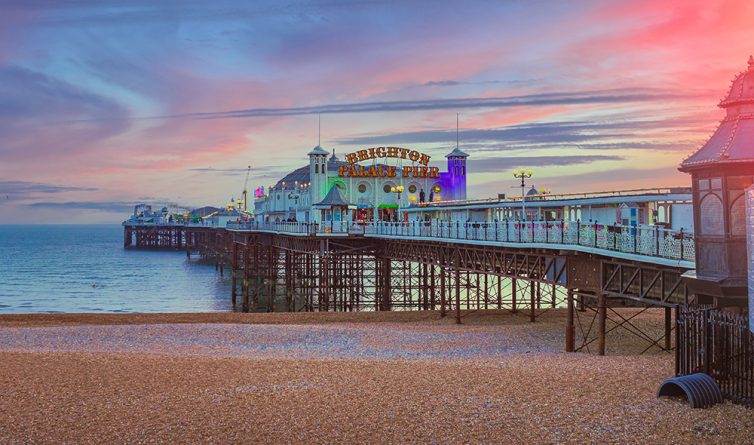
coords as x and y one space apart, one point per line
359 171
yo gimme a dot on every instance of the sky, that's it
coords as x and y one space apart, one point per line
104 104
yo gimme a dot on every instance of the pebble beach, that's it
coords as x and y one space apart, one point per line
337 378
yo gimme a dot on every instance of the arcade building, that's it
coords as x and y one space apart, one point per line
370 184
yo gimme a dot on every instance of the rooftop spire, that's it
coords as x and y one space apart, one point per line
457 114
751 63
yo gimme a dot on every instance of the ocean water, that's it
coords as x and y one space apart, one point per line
84 268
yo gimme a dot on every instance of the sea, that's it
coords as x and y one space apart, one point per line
84 268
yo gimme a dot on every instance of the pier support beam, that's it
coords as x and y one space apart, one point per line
570 334
532 307
668 327
443 290
233 274
458 292
601 322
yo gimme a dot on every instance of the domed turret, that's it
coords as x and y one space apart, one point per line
721 170
742 88
457 173
317 173
733 141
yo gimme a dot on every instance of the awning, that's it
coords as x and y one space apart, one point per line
388 206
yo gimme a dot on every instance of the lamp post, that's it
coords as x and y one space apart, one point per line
398 190
294 195
523 175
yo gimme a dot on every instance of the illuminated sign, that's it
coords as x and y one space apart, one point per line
387 171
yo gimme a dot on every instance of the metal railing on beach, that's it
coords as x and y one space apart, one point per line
720 345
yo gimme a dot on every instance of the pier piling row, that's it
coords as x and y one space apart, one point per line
272 272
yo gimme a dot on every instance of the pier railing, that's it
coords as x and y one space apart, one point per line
301 228
649 240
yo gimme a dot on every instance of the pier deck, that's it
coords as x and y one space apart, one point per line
526 268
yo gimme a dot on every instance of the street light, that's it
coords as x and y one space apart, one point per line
294 195
523 175
398 190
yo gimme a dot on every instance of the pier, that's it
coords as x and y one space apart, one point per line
527 268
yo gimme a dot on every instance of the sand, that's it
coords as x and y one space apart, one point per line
336 378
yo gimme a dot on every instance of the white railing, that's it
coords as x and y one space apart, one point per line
301 228
646 240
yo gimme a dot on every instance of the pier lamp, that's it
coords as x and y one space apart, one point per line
523 175
294 195
398 190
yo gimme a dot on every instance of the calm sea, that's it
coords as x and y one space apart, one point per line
84 268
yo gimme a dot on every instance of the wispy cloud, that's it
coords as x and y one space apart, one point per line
256 171
613 96
232 171
592 134
27 188
102 206
502 163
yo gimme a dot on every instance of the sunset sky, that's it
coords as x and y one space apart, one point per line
104 104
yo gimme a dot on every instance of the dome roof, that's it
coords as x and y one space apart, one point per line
456 153
733 141
333 163
532 191
742 88
333 198
318 151
300 174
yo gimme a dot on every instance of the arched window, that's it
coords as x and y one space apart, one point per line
711 215
316 168
738 217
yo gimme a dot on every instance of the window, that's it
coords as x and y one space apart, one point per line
412 188
316 168
711 215
738 217
463 170
386 188
362 188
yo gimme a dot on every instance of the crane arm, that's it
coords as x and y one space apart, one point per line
245 184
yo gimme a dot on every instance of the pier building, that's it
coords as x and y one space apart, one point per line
374 184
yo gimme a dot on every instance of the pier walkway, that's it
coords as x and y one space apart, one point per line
646 243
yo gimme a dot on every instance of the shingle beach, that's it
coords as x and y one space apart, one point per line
337 378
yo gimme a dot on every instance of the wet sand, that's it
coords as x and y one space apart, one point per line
336 378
